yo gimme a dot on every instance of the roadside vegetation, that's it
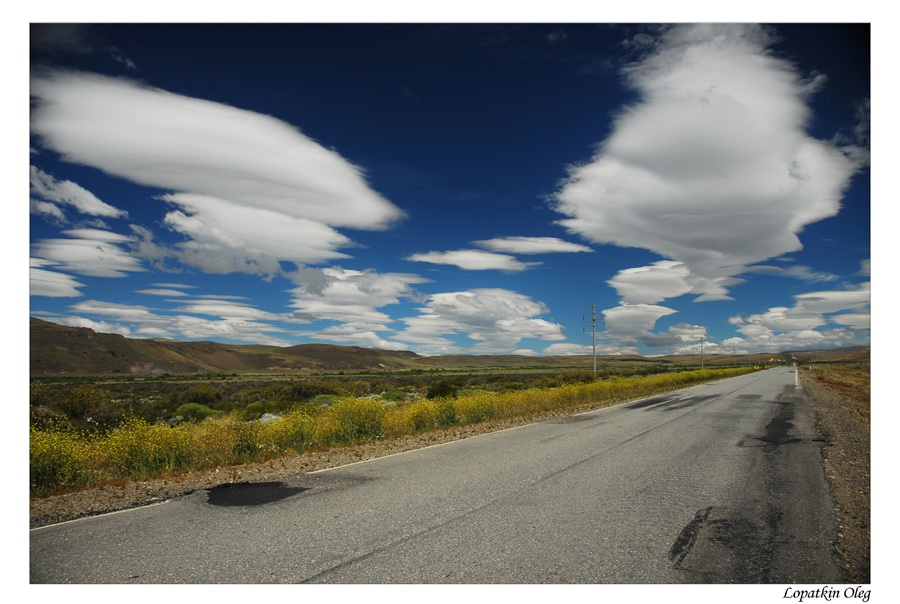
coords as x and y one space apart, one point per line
90 434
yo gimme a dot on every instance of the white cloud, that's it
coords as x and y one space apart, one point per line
652 284
349 296
568 349
226 237
219 161
349 335
52 284
98 326
226 309
532 245
712 167
474 260
49 189
865 267
48 209
236 324
631 321
804 273
497 319
91 252
169 293
587 349
798 326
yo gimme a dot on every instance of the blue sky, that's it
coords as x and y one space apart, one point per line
470 188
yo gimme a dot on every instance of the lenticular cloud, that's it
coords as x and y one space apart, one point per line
160 139
712 167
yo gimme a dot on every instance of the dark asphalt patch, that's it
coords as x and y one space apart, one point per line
779 427
687 402
688 537
749 397
251 493
656 400
723 545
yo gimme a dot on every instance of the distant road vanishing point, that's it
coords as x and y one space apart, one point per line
720 483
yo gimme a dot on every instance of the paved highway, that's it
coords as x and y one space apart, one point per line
721 483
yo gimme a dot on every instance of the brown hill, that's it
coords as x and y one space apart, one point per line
57 350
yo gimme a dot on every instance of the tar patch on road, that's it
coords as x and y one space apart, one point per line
250 493
656 400
722 545
688 537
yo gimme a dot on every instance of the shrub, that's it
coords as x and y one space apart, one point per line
196 412
137 449
356 419
59 460
442 389
475 408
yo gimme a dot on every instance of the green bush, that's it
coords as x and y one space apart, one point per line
196 412
442 389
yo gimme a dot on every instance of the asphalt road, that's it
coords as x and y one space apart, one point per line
721 483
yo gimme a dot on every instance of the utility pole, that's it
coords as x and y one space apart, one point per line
733 360
593 327
701 352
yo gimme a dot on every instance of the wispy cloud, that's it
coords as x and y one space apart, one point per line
91 252
532 245
49 189
474 260
218 160
234 324
50 283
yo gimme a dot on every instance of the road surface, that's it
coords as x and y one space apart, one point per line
720 483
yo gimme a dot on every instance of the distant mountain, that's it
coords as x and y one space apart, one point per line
57 350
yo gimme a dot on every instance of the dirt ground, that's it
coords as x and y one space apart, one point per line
842 414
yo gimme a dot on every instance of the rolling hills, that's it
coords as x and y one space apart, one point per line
58 350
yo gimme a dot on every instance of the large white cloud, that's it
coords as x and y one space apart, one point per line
217 160
711 167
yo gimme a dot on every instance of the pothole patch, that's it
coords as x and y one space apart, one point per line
250 493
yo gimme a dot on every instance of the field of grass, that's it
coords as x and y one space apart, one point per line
67 456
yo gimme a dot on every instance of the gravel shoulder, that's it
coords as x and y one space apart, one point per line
842 420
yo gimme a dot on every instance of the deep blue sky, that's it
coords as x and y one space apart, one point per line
454 188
